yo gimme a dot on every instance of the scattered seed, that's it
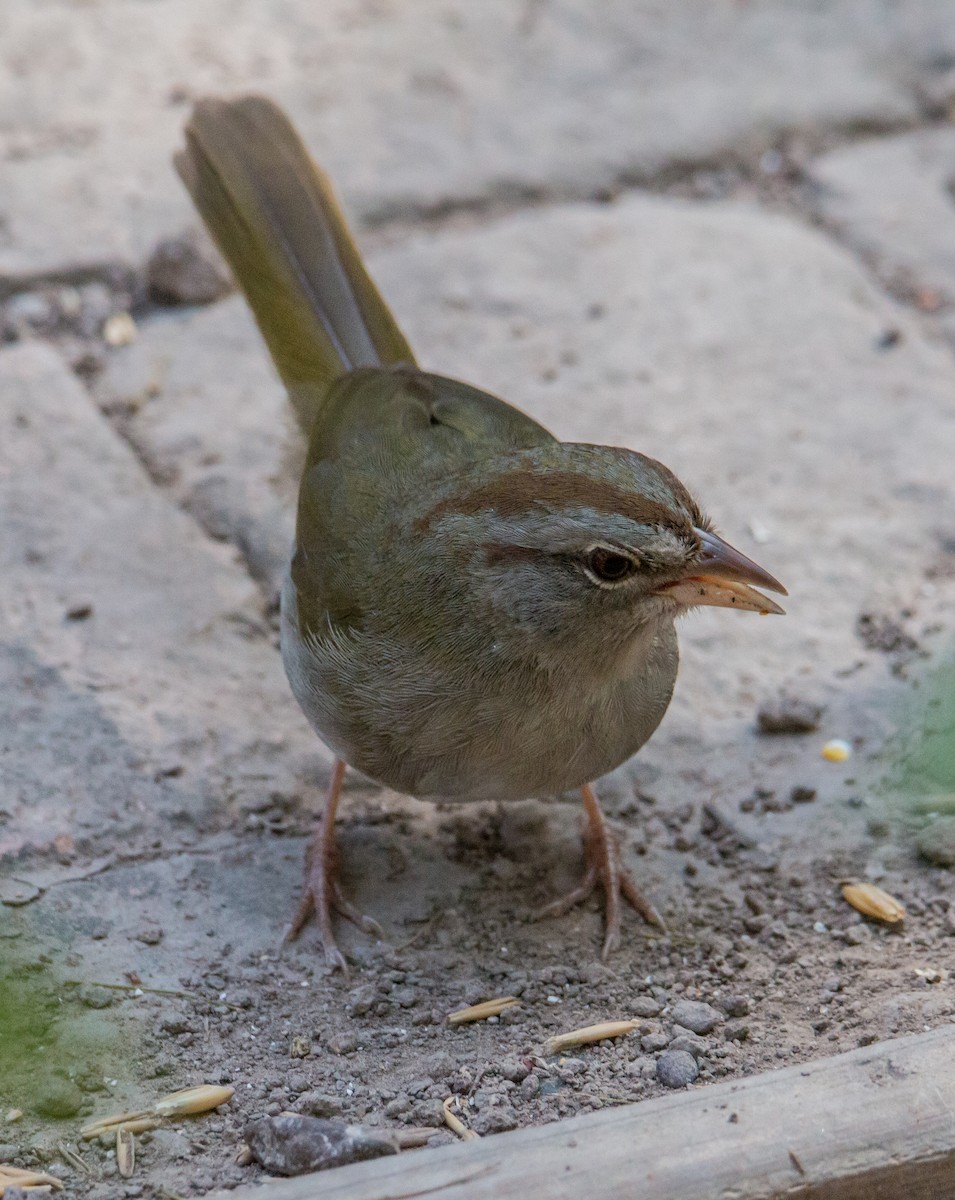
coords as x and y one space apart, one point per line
873 902
125 1152
589 1033
188 1102
109 1125
411 1139
75 1161
931 974
192 1100
244 1157
478 1012
14 1177
456 1125
119 329
836 750
14 1114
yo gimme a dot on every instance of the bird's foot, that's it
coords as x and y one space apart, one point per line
604 866
322 894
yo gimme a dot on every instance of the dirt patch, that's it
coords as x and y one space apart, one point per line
748 884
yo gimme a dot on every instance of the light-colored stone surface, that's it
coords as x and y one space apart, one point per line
423 104
200 401
893 200
169 696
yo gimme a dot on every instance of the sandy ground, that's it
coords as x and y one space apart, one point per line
770 313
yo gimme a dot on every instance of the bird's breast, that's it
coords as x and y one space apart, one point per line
467 728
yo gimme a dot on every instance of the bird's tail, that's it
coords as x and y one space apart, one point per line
273 215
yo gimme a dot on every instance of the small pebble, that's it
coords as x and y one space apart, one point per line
319 1104
645 1006
495 1118
936 842
514 1070
31 310
96 997
59 1099
175 1025
361 1000
690 1043
788 714
89 308
696 1016
149 935
343 1043
182 270
677 1068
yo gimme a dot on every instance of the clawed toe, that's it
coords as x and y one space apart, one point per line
604 867
348 910
563 904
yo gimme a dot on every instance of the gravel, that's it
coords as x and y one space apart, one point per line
936 842
677 1068
788 714
696 1016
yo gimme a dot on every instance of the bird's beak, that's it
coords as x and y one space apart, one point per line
723 577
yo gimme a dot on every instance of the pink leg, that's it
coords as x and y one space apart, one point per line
604 866
322 893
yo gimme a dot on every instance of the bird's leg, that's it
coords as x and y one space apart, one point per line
602 854
322 894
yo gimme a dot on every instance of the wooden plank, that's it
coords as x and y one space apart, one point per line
873 1124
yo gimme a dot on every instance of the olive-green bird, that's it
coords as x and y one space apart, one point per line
473 609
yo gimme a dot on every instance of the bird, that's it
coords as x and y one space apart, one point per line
473 609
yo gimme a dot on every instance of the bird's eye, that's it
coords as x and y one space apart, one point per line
609 566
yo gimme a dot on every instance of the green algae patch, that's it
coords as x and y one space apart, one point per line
919 787
58 1042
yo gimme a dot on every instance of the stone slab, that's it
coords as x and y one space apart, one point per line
199 399
893 200
140 689
423 106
